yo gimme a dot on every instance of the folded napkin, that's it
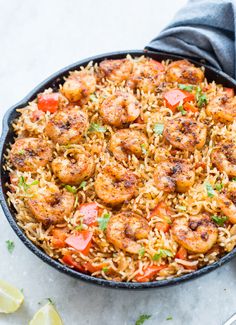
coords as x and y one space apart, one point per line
203 29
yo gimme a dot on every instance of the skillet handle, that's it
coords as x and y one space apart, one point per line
231 320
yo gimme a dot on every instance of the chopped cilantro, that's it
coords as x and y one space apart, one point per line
94 127
234 179
142 319
209 189
188 88
200 98
169 318
162 253
219 220
158 128
105 269
22 183
21 152
144 150
71 189
80 226
219 186
10 246
76 201
50 300
83 184
182 110
93 98
141 252
103 221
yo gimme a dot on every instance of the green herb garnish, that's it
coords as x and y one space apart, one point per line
21 152
10 246
200 98
83 184
143 148
103 221
219 220
162 253
188 88
234 179
158 128
209 189
182 208
105 269
182 110
141 252
71 189
50 300
94 127
80 226
142 319
219 186
93 98
23 183
76 201
169 318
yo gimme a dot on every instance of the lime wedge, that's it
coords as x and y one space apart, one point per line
47 315
10 298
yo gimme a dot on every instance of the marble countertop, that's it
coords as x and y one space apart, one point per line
37 39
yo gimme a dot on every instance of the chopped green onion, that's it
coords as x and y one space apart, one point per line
103 221
234 179
162 253
142 319
71 189
22 183
83 184
21 152
188 88
79 227
105 269
143 148
209 189
141 252
76 201
93 98
181 109
219 220
158 128
200 98
10 246
94 127
219 186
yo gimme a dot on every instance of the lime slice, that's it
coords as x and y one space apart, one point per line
10 298
47 315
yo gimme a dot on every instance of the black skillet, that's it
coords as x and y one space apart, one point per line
8 137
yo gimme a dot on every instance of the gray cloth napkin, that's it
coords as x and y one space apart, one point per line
203 29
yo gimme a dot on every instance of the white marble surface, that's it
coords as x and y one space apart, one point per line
36 39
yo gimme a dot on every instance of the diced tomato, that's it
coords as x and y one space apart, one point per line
81 241
162 211
182 253
190 108
89 212
229 92
91 268
200 164
82 267
48 102
173 98
149 273
68 259
36 115
59 237
139 120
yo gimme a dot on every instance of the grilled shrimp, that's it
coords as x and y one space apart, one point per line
147 75
119 109
116 70
126 142
124 229
28 154
174 175
198 234
51 208
222 108
227 203
73 168
185 133
182 71
224 158
65 127
115 184
79 85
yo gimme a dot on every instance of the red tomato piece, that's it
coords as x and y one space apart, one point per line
48 102
89 212
68 259
190 108
149 273
173 98
81 241
182 253
59 237
229 92
162 211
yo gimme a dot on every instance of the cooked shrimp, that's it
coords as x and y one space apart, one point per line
124 229
147 75
51 208
120 109
28 154
182 71
224 158
127 142
185 133
227 203
174 175
116 70
65 127
198 234
115 184
73 168
222 108
79 85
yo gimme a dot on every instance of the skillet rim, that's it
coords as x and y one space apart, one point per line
7 133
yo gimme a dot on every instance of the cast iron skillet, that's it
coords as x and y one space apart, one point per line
8 137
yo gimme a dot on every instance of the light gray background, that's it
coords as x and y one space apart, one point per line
36 39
